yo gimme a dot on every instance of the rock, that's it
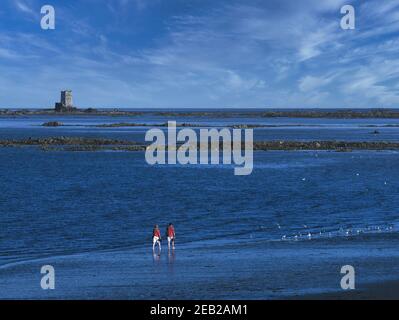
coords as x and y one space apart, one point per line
52 124
90 110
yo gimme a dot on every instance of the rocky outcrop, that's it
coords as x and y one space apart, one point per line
95 144
325 145
52 124
130 124
59 141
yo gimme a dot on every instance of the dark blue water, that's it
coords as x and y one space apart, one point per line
282 128
60 203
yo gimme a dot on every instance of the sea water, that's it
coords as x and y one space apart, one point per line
70 203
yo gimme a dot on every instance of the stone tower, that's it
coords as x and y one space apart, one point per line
66 103
66 98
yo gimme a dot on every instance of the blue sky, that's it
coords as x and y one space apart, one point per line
200 53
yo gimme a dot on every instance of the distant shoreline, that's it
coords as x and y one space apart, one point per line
220 113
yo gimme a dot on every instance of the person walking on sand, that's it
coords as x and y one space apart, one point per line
156 238
170 233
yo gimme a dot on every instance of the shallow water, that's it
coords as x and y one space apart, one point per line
61 203
282 128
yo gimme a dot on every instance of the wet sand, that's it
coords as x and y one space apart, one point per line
386 290
301 270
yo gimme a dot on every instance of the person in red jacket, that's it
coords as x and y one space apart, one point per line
170 233
156 238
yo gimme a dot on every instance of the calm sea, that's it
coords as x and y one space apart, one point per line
60 203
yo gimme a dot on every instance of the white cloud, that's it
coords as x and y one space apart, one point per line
377 81
24 7
310 83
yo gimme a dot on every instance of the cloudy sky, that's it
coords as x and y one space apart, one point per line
200 53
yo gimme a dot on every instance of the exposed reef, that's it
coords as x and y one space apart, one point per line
98 144
127 124
179 125
52 124
192 125
72 143
325 145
